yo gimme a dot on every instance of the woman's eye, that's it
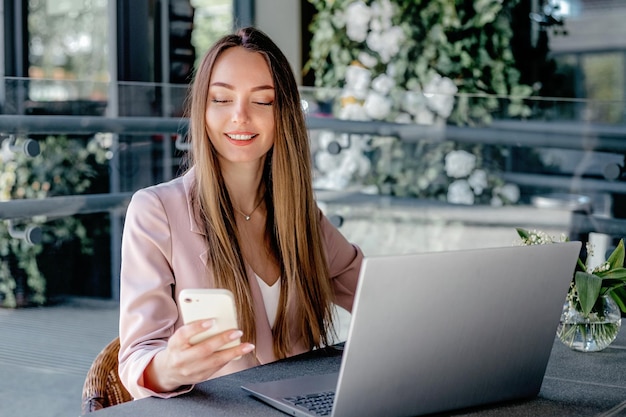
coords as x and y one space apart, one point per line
264 103
216 100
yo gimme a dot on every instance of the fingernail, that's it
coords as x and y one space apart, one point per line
235 335
247 348
208 323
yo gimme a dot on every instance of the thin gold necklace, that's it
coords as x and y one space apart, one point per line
247 216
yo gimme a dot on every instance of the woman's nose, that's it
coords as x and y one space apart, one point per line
240 112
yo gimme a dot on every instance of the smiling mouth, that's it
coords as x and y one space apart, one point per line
240 137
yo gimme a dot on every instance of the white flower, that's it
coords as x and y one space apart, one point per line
386 43
440 94
413 102
539 237
478 181
7 181
376 43
403 118
509 192
425 117
355 160
377 106
367 59
337 171
383 11
459 164
496 201
358 17
391 69
325 161
422 183
353 111
357 82
460 192
383 84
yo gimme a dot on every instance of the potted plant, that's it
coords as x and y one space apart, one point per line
591 316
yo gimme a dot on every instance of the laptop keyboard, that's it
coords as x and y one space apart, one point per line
320 404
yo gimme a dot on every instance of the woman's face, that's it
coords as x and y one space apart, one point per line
239 113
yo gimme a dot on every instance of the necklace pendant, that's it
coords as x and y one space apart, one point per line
246 217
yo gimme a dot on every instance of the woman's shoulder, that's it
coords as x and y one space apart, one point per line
175 187
172 192
171 186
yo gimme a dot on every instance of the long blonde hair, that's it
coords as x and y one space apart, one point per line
292 228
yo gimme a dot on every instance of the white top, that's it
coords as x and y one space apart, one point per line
271 295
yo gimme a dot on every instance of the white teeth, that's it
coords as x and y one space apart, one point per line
241 137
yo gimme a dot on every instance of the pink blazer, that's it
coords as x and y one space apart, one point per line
164 252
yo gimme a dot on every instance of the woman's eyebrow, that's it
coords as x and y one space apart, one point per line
231 87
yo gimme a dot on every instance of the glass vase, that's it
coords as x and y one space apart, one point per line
590 333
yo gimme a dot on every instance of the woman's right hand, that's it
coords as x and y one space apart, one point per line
182 363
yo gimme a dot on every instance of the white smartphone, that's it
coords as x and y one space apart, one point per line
209 303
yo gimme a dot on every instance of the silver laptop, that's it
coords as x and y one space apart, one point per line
441 331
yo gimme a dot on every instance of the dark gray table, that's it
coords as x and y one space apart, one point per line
576 384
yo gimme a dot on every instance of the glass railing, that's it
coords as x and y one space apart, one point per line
68 170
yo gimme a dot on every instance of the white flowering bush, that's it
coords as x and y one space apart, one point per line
417 62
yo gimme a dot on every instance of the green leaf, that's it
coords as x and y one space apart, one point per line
523 233
619 295
588 287
615 273
609 285
616 260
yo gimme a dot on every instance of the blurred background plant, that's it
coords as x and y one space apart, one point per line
63 167
423 62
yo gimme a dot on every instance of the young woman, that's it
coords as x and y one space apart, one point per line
243 217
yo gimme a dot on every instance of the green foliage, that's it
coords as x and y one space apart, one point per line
59 28
442 61
466 41
212 20
64 167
